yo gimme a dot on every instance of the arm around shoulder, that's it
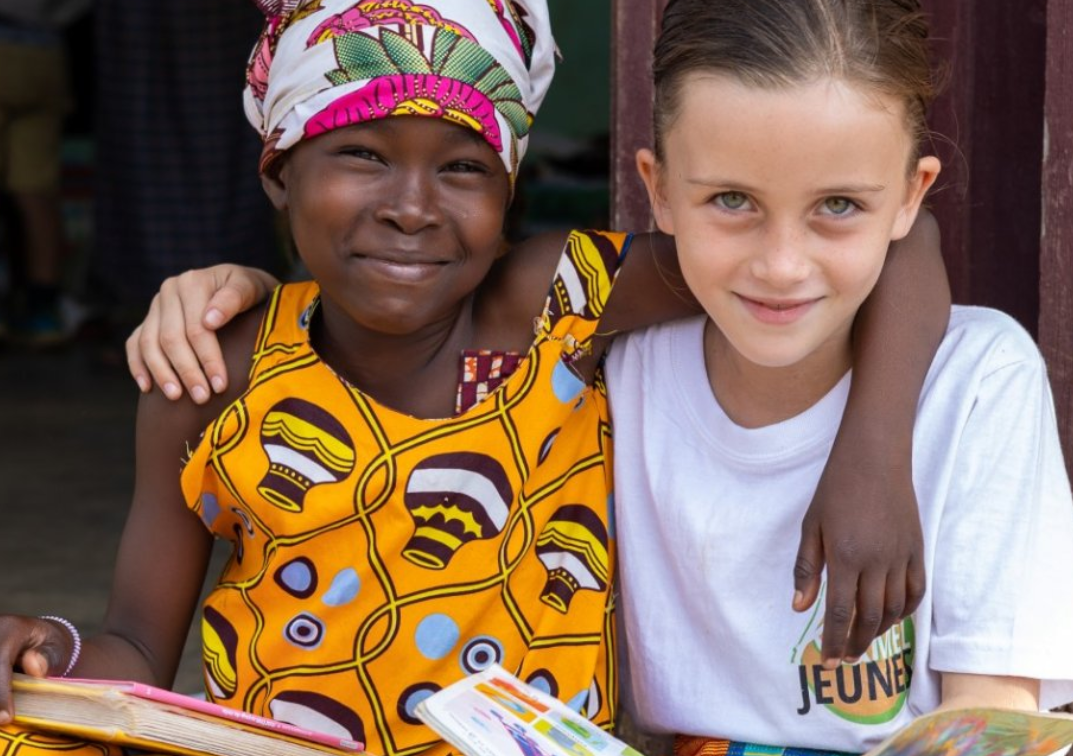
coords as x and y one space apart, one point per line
177 345
863 522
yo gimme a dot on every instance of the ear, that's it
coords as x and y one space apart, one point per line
649 169
274 184
927 170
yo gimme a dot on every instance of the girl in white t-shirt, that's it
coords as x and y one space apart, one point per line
787 158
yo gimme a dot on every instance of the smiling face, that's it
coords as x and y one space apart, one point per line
398 220
782 202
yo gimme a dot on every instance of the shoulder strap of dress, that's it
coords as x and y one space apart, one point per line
285 325
582 285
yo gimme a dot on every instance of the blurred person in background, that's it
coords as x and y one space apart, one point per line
176 178
34 98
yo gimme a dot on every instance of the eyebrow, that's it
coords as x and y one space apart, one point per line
461 133
854 189
730 185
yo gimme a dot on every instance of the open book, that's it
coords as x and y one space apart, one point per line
493 713
987 732
135 714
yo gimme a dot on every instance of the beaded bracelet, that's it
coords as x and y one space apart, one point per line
76 637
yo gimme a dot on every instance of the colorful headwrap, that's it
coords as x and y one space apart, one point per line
325 64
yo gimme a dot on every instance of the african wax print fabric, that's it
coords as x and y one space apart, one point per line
19 741
326 64
480 373
378 557
686 745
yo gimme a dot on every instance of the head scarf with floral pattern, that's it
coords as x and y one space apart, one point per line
325 64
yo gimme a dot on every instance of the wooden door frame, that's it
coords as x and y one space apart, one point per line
1056 237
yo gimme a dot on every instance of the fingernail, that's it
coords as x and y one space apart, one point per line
798 597
831 663
143 384
214 317
853 660
199 394
218 384
5 718
171 390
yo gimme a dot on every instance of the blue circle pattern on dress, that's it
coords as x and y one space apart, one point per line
566 384
436 635
480 653
344 588
411 697
210 509
304 631
298 578
580 700
543 681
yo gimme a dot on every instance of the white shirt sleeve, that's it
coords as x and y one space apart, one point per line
1003 594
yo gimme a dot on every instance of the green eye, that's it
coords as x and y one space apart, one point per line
732 200
838 205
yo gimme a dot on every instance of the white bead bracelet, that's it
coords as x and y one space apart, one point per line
76 637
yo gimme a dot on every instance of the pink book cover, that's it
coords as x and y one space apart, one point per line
179 701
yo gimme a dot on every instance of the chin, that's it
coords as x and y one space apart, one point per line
774 361
772 355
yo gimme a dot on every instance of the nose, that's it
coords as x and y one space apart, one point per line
783 259
410 202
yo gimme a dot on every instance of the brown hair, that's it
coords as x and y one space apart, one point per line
772 43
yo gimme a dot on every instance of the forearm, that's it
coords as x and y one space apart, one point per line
962 691
114 657
163 555
863 521
896 335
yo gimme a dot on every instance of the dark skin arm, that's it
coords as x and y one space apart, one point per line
159 571
863 522
160 566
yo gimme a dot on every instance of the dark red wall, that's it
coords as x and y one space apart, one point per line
989 125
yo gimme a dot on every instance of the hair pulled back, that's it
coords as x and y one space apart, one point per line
880 44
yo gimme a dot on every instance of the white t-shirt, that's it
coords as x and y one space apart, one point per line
708 518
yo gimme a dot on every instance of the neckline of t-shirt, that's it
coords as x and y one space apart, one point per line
803 435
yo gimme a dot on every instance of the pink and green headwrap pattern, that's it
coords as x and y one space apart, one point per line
325 64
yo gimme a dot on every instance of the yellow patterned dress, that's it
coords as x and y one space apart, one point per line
378 557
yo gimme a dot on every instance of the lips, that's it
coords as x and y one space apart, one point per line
777 311
399 258
400 266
